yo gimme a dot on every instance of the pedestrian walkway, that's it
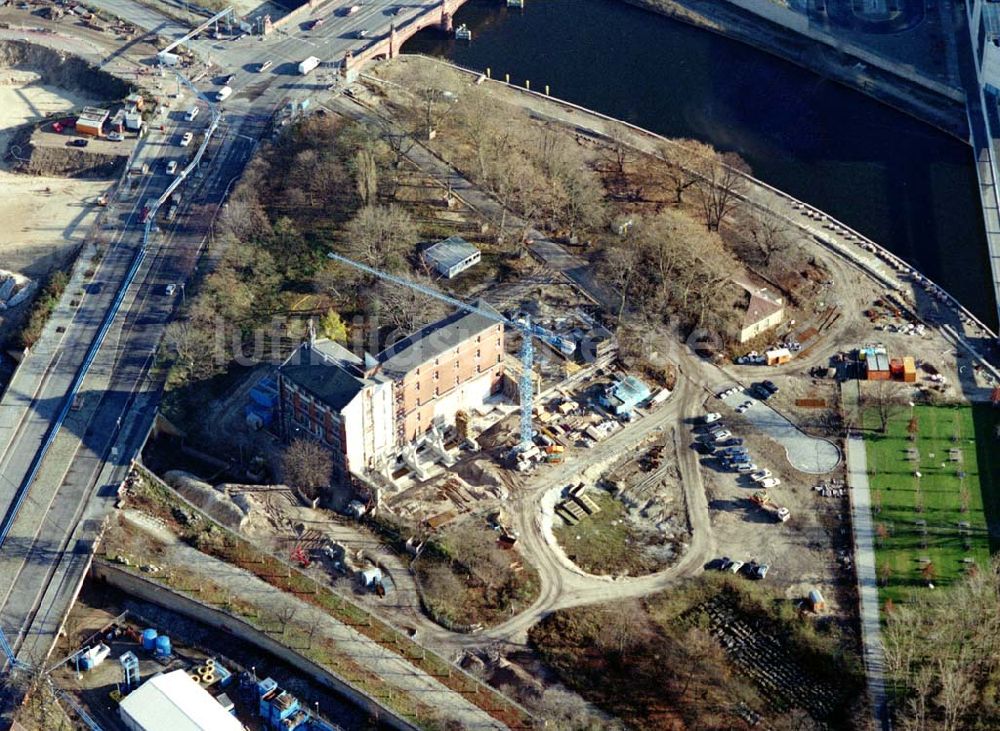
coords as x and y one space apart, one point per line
864 562
387 665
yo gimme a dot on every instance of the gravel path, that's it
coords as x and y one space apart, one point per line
389 666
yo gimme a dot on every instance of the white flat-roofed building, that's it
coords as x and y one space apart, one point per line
452 256
174 702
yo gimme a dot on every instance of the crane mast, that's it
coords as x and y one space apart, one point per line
524 326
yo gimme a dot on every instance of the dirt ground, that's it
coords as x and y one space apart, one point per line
47 217
809 547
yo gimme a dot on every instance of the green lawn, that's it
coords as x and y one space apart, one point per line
902 543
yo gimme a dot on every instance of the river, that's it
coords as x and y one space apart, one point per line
895 179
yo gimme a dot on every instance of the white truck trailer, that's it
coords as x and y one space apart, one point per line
308 65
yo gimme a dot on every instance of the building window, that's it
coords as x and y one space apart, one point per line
479 353
437 391
436 375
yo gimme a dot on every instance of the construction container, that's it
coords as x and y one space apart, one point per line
148 639
909 369
896 368
778 356
816 601
161 646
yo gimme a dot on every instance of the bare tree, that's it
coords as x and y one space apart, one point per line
380 236
366 176
884 399
764 235
685 159
307 465
721 188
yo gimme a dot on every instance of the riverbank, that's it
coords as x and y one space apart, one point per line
926 100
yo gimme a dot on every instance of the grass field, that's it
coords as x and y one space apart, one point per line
958 499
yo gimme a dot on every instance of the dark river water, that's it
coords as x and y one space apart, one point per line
900 182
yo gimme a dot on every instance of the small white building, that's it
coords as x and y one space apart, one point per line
174 702
452 256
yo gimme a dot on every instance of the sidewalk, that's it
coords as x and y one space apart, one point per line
864 561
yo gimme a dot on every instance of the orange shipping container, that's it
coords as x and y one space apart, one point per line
909 369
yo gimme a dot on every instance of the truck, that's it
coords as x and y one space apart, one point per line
308 65
762 499
168 59
224 93
353 9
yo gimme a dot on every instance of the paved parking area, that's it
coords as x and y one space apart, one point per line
805 453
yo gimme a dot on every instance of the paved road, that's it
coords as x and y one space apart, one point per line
805 453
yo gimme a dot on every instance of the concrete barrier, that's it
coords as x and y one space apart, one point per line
153 593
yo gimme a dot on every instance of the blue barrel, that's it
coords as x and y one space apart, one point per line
162 646
148 638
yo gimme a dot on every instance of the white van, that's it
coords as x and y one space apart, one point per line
192 113
223 93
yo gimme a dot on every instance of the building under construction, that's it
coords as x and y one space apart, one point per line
370 410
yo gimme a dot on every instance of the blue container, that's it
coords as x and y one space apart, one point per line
162 646
148 638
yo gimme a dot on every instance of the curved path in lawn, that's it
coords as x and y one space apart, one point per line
808 454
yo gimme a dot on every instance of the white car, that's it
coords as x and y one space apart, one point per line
747 468
724 434
172 167
760 475
770 482
741 408
711 417
170 289
116 137
734 567
186 139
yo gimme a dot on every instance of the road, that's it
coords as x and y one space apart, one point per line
70 491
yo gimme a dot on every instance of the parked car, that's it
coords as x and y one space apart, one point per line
760 475
722 435
703 448
769 482
712 416
731 451
264 66
170 289
735 566
746 468
734 442
724 563
77 143
759 571
172 167
769 385
186 139
116 137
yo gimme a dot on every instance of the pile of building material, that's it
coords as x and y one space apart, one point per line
576 506
219 504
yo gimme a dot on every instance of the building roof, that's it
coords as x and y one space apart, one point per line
95 115
174 702
435 340
328 371
450 252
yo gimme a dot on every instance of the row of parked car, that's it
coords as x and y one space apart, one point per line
751 569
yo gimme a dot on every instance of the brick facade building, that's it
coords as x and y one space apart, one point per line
366 410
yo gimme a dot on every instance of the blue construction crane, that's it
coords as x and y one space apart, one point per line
524 326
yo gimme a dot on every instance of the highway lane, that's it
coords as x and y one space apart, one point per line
43 576
48 549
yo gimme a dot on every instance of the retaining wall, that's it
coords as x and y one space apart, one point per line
155 594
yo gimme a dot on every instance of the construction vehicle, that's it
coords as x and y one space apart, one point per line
763 499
